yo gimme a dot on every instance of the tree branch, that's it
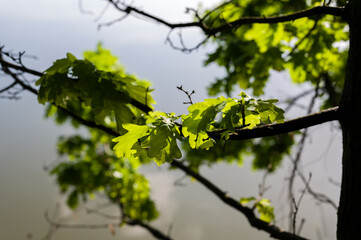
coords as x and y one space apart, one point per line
6 66
155 232
255 222
129 221
315 11
128 10
311 12
78 226
267 130
327 115
8 87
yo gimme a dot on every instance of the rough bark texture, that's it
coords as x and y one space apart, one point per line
349 212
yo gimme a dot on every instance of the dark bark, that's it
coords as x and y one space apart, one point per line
267 130
273 230
155 232
349 220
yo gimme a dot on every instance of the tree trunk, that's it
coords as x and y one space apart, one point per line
349 212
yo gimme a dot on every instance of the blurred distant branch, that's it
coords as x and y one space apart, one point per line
77 226
82 10
56 225
208 30
295 168
273 230
155 232
16 63
296 206
200 22
183 47
322 198
8 87
292 101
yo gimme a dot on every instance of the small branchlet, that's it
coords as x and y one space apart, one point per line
297 205
189 95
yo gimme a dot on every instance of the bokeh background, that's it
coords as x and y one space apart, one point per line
47 30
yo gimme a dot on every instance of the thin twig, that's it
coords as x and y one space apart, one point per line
179 182
303 38
255 222
296 163
262 188
82 10
8 87
322 198
297 205
189 95
107 24
77 226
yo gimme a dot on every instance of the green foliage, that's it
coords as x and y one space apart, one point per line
265 153
265 210
158 137
226 152
160 134
100 84
97 89
269 151
94 168
103 59
306 48
263 206
243 112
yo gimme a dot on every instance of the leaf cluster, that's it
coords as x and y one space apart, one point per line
263 206
156 140
94 168
266 153
308 48
96 86
97 89
158 137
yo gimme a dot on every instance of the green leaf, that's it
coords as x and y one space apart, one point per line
158 141
122 115
71 57
263 207
265 210
98 88
306 48
89 172
163 145
199 120
73 200
232 115
124 145
103 59
244 201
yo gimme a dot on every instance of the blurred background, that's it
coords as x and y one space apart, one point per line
47 30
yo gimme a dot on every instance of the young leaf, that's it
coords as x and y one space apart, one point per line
199 120
263 207
244 201
124 145
163 145
265 210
